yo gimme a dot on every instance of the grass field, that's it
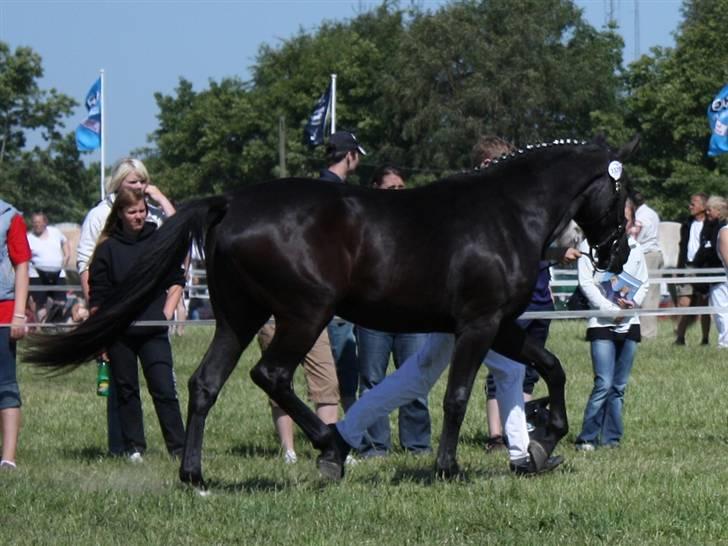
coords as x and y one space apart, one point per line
666 485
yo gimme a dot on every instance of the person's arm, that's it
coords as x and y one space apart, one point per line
642 275
66 249
92 226
722 245
98 278
17 328
174 293
563 255
156 195
590 289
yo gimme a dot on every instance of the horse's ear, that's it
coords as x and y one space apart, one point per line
630 148
600 140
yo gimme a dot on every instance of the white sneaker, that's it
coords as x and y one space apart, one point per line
136 458
350 460
290 457
584 446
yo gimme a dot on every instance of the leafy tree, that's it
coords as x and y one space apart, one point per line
667 95
527 70
51 178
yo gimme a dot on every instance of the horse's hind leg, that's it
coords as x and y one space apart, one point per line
274 372
470 348
204 386
514 343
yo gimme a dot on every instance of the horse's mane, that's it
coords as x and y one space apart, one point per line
519 153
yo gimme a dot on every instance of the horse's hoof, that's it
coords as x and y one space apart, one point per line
330 470
331 461
529 468
449 472
538 455
193 479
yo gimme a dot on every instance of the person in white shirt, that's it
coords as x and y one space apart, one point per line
50 255
695 295
126 173
613 345
646 233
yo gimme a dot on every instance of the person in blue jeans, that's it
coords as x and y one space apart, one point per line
375 348
613 344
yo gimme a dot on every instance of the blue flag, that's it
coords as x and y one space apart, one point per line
313 133
88 133
718 120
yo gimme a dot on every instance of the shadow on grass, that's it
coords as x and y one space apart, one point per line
255 485
87 454
250 451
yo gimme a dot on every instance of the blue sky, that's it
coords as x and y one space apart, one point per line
145 46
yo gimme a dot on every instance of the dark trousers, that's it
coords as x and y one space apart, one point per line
155 354
47 278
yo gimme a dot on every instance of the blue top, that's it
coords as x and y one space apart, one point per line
330 176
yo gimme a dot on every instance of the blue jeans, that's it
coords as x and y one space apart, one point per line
343 346
414 417
9 391
612 363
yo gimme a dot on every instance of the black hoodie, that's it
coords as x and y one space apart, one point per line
113 260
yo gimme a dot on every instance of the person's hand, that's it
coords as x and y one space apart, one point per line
625 304
18 327
154 193
570 256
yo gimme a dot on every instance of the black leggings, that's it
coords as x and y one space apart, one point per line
155 355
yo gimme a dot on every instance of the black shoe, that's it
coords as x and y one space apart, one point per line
705 342
526 468
680 341
331 461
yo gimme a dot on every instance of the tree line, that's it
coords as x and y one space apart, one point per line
417 87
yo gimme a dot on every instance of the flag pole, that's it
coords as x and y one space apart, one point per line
103 138
333 103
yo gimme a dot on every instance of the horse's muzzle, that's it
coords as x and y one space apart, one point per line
617 256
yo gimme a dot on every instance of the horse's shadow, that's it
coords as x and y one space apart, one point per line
257 485
87 454
251 450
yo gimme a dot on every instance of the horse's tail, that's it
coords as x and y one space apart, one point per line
165 250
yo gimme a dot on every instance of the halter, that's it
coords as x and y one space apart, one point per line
612 240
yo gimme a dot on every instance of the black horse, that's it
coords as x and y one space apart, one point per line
459 255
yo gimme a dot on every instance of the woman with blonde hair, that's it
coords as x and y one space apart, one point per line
130 173
717 210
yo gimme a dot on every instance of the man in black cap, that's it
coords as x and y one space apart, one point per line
343 152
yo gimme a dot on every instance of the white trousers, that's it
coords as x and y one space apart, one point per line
719 298
416 376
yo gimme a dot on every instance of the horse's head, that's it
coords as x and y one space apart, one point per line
601 214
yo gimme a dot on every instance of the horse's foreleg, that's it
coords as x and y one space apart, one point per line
470 349
513 342
204 386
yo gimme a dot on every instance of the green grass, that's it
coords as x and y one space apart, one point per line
665 485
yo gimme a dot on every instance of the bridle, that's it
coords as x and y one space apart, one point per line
611 240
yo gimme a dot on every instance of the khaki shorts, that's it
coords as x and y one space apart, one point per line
684 290
319 368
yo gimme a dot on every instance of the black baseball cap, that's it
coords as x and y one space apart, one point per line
344 141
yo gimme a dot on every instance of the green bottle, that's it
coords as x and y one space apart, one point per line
102 377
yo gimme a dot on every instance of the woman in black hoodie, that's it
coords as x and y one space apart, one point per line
120 244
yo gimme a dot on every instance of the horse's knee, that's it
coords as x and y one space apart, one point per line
202 397
271 379
455 406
